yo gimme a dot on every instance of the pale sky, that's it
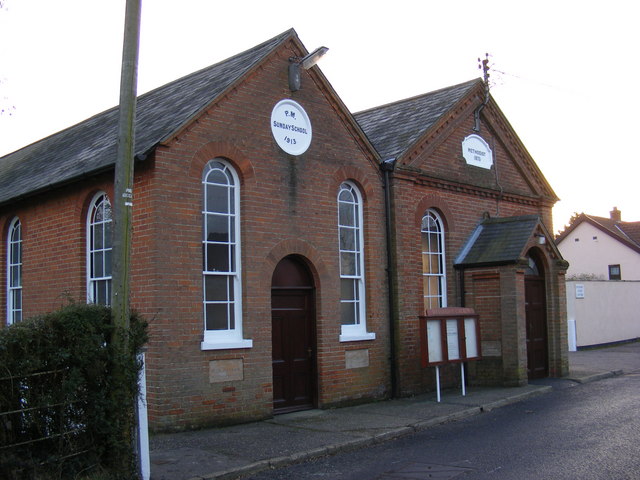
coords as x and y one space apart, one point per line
564 72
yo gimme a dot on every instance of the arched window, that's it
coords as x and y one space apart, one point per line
222 285
14 272
351 247
434 278
99 251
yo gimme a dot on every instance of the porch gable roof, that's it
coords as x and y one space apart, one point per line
501 241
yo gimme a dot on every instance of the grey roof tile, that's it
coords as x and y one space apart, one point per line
498 241
394 127
90 146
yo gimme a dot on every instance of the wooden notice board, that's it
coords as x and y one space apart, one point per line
449 335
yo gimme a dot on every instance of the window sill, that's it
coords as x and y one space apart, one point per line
358 338
226 345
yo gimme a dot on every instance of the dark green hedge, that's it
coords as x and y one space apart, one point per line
63 414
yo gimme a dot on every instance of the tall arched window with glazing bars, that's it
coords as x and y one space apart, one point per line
351 247
99 247
434 278
14 272
221 269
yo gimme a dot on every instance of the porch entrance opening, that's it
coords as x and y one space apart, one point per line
536 319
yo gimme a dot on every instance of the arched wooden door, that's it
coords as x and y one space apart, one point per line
536 319
293 336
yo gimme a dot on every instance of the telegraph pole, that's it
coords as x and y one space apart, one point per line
122 221
123 201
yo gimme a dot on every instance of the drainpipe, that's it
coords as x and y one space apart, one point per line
388 166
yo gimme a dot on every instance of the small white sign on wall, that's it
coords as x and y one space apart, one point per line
477 152
291 127
579 290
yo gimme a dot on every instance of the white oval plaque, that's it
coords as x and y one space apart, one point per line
477 152
291 127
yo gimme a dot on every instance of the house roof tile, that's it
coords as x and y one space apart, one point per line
627 233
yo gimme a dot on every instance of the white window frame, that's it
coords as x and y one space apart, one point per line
219 339
427 257
358 330
14 289
104 250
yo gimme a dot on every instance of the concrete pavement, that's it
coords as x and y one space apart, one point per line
231 452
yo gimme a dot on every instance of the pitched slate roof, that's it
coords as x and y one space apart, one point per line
394 127
90 146
627 233
499 241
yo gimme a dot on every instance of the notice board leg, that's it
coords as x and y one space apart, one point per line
464 392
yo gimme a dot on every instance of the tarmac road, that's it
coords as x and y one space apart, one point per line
589 431
244 450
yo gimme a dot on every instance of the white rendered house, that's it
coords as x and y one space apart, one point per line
603 279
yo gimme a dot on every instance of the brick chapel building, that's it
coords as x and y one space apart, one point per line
285 249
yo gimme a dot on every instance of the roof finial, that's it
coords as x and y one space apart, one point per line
484 66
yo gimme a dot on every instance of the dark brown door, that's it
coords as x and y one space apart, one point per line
536 318
293 337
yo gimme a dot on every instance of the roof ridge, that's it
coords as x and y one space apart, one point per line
279 39
415 97
598 217
516 218
148 93
394 127
607 225
608 219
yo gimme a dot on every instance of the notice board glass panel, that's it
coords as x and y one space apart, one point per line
452 339
471 339
434 341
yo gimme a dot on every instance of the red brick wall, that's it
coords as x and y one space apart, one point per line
53 246
483 295
288 206
438 177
